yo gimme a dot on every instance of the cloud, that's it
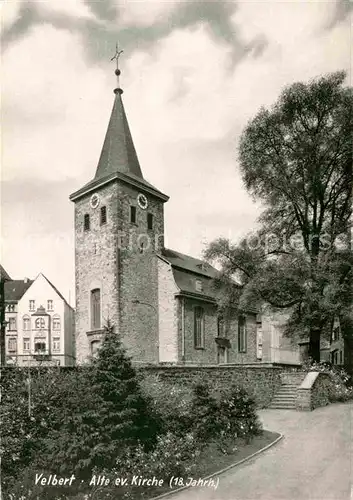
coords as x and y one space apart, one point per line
187 97
52 102
136 12
10 12
72 8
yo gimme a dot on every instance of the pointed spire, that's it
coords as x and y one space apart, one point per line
118 152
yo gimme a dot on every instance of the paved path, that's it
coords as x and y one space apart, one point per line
313 460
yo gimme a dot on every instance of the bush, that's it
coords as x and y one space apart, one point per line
171 402
339 391
204 417
237 413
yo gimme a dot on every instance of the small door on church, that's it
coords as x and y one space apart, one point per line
222 355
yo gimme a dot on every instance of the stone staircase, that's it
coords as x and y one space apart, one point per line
286 397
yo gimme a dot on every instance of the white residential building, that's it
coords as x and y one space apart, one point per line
39 324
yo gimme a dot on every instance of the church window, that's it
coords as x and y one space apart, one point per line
95 309
26 323
32 305
220 327
341 358
103 215
149 221
86 222
133 215
199 327
50 305
198 286
39 324
242 341
56 323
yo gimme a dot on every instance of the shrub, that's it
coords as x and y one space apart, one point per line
237 412
339 391
172 456
171 402
204 417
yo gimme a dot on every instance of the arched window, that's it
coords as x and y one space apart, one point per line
220 326
199 327
95 309
56 322
39 323
95 345
26 323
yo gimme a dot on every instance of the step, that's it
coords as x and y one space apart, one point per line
284 398
281 407
282 403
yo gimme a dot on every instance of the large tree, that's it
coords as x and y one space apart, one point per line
296 158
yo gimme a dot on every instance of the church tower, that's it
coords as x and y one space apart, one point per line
119 230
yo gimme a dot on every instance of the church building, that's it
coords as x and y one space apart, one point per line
161 302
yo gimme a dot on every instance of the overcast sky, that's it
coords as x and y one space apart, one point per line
193 74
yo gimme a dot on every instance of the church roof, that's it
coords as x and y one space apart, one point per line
118 152
194 277
15 289
188 263
118 159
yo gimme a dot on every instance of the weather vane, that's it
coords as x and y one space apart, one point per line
117 71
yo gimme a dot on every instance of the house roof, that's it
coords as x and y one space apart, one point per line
4 274
15 289
118 159
56 290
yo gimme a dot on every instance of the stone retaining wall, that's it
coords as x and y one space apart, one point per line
314 391
261 381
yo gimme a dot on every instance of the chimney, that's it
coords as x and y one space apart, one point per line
25 280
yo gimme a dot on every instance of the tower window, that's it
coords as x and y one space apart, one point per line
103 215
95 309
26 344
86 222
198 286
133 215
199 327
150 221
242 341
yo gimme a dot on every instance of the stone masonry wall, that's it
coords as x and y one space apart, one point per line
168 313
262 382
208 354
314 391
95 264
138 274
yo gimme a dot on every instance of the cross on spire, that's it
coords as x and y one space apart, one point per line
117 71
